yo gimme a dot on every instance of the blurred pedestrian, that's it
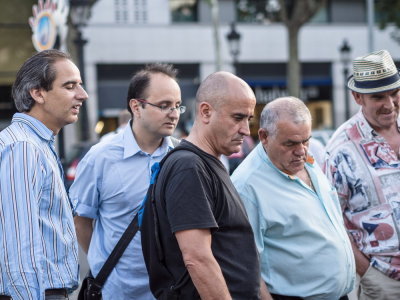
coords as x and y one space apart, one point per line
113 177
209 246
38 246
317 150
363 164
236 158
124 117
294 211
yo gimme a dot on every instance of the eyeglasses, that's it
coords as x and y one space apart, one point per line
164 107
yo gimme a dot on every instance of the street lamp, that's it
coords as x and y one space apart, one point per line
395 35
80 13
233 38
345 58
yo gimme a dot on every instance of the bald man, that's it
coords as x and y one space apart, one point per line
209 249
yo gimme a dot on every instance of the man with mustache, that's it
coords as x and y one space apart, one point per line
294 211
208 246
38 246
363 163
113 177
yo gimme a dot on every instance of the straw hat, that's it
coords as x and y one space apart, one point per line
374 73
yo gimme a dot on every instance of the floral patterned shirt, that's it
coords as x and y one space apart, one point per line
366 173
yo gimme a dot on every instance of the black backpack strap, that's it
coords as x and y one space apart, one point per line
117 252
184 278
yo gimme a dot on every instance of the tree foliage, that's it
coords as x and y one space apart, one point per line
388 12
294 14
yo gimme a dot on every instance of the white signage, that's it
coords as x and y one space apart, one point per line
265 95
49 22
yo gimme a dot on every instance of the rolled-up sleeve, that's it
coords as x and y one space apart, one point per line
84 192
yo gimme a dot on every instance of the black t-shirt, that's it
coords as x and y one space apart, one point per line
194 191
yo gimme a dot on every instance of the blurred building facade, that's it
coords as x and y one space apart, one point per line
124 35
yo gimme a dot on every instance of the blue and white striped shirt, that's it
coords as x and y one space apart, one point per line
38 245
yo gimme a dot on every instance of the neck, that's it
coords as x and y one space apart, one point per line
387 131
34 113
146 141
306 178
199 140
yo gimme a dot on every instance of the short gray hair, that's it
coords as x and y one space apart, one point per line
36 73
289 108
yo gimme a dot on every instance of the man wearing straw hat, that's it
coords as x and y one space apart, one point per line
363 163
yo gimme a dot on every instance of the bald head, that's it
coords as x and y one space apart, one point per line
219 87
224 106
286 108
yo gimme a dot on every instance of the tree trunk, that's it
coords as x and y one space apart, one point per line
217 44
293 74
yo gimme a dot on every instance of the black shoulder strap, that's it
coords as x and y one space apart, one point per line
124 241
117 252
122 244
184 278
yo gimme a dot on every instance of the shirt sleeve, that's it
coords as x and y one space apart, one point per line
21 246
84 192
254 214
337 169
189 201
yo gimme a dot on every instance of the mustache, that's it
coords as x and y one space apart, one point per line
388 111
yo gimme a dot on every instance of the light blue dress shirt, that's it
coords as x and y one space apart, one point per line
111 182
303 245
38 246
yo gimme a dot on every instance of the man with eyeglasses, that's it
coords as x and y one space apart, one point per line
113 177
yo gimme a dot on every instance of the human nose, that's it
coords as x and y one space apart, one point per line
245 128
300 149
82 94
174 112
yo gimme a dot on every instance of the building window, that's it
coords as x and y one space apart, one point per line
257 11
140 11
131 11
184 10
267 11
121 11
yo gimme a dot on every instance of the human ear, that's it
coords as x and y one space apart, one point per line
134 105
205 111
37 95
357 97
263 136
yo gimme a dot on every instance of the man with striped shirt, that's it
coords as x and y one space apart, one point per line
38 245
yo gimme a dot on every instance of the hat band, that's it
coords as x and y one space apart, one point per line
372 84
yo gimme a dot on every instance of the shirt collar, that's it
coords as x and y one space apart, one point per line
131 147
38 127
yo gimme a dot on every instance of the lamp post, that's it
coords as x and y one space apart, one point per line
345 51
80 13
395 35
233 38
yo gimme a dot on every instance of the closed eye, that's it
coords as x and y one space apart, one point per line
395 93
240 117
